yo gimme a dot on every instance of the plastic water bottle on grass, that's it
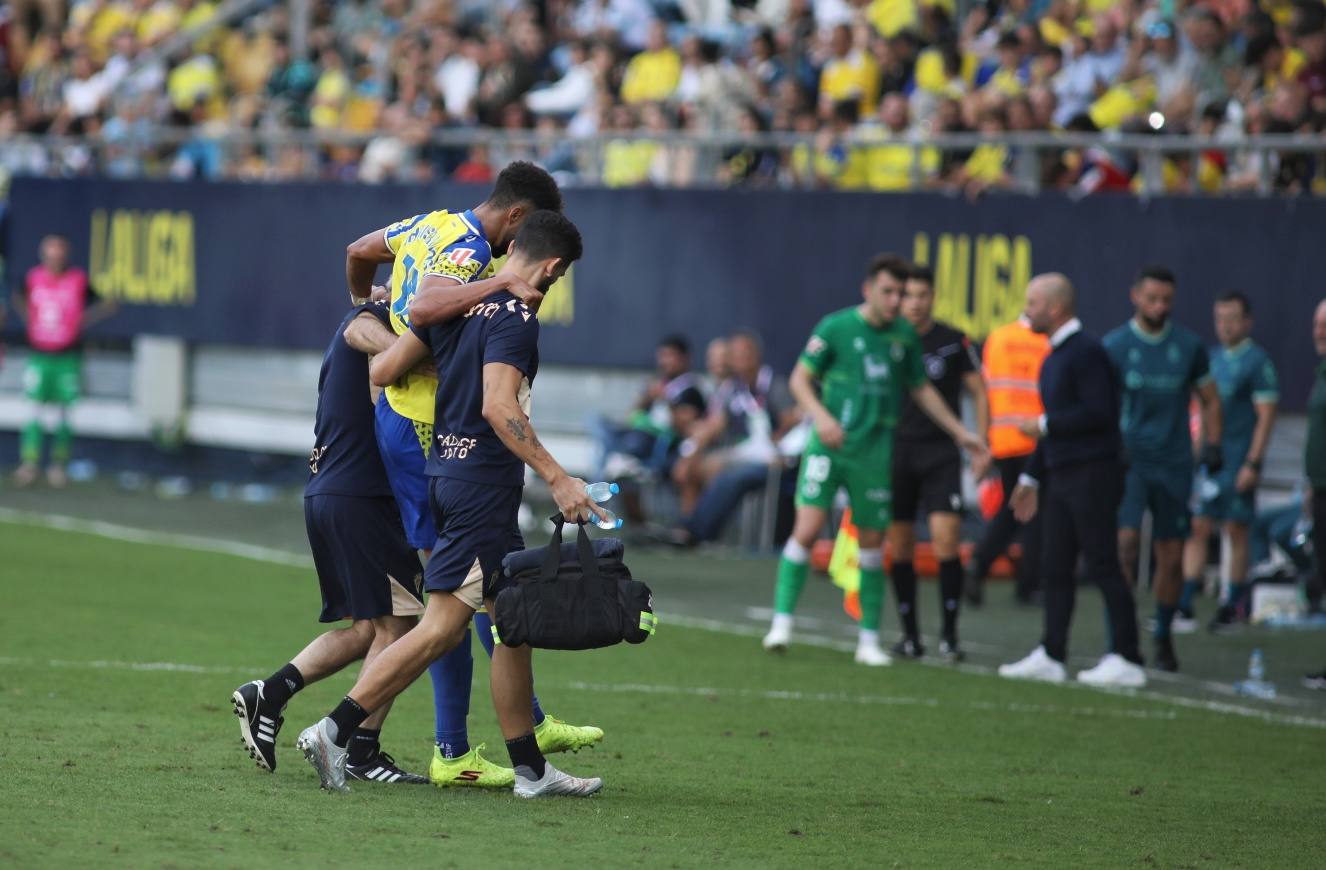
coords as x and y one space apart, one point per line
1256 686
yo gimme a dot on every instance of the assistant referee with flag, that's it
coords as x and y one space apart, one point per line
1076 476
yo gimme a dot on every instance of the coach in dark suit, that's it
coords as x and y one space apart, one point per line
1076 477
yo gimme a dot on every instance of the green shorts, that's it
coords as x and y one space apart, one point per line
1223 501
868 480
1165 491
53 378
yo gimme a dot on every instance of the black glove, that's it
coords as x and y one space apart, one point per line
1212 457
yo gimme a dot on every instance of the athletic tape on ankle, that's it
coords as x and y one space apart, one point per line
795 553
870 559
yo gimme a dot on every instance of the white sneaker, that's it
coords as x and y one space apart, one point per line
779 636
1037 666
327 758
1183 625
871 655
1114 670
554 782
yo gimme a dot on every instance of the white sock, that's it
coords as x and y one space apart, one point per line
795 553
782 622
866 636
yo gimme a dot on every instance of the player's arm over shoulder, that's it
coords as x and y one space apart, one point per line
451 285
370 330
366 253
406 352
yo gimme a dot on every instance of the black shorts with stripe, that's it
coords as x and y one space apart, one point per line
366 569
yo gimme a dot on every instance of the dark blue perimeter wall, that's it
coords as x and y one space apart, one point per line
263 265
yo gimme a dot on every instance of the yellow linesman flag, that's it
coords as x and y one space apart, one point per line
843 567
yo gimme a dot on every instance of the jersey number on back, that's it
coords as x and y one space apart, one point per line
409 285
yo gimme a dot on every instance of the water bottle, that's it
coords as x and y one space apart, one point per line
605 519
1256 686
1208 490
601 492
1256 666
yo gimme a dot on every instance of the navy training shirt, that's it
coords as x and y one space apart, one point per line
345 459
500 329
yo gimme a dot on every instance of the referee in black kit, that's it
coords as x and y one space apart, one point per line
1077 472
927 469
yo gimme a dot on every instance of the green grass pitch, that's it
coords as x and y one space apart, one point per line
120 748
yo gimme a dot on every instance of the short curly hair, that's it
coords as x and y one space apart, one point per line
546 234
522 181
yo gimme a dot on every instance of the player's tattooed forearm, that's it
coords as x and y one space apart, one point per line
517 428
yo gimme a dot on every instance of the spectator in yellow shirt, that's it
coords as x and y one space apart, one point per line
156 19
849 74
331 91
891 154
838 161
987 166
652 74
891 17
98 21
627 161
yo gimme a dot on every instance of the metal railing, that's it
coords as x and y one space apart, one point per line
1258 165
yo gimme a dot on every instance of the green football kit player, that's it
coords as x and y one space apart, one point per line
850 380
1161 366
1249 391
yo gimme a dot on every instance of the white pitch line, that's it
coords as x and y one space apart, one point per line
113 531
869 700
100 665
117 532
721 627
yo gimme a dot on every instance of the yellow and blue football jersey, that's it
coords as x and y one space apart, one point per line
444 243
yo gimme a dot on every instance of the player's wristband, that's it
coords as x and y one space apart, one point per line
1254 464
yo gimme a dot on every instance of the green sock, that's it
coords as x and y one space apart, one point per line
62 444
872 597
791 577
29 446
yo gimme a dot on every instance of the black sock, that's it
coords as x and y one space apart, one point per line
364 745
280 686
347 716
524 752
904 589
950 593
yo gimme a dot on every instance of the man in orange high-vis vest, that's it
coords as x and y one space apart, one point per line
1011 359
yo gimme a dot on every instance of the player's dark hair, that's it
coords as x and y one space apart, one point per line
924 274
546 234
1156 273
678 342
1235 296
522 181
891 263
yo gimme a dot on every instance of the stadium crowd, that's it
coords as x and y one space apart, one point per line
862 83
